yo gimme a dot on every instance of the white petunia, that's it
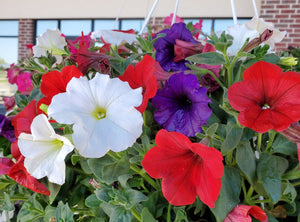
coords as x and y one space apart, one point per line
240 33
44 151
114 37
260 25
103 113
51 41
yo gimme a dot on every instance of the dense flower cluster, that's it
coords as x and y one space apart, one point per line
156 127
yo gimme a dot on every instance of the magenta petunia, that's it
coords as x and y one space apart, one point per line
24 82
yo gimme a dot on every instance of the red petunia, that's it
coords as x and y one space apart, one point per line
142 76
187 169
55 82
267 98
5 165
19 173
241 213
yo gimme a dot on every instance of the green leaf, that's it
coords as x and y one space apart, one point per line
209 58
245 159
134 197
29 213
269 171
108 169
103 194
63 213
54 190
284 146
180 214
233 137
74 159
92 201
35 94
147 216
229 194
49 213
119 214
8 206
289 192
212 130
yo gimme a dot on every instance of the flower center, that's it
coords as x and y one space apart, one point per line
266 106
99 113
185 102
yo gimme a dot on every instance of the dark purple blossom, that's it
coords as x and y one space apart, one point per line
164 46
6 129
182 105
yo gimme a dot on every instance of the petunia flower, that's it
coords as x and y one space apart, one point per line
19 173
24 82
73 45
208 80
187 169
12 73
55 82
168 20
44 151
240 34
103 113
87 59
21 123
267 98
182 105
51 41
142 76
115 37
165 47
260 26
6 129
241 213
5 165
9 102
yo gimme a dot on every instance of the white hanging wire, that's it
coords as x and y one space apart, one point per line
233 12
175 12
148 17
118 15
255 8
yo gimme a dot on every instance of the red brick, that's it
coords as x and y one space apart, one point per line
286 20
283 6
294 25
288 11
282 16
295 15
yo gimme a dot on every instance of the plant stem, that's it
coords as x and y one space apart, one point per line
137 170
259 139
169 213
249 193
145 176
136 214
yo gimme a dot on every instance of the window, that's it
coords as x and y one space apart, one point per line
72 28
216 24
9 30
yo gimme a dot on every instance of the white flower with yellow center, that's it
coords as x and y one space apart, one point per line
51 41
44 151
103 113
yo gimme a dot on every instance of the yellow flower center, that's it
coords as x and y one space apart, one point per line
99 113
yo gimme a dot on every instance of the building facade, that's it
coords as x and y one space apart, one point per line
22 21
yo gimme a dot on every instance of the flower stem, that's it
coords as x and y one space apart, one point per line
259 139
137 170
169 213
136 214
142 173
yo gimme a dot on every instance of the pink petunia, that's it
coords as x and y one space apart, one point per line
24 82
241 213
168 19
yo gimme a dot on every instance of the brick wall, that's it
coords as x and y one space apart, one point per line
285 15
26 36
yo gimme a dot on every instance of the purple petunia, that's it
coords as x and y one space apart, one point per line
6 129
182 105
164 46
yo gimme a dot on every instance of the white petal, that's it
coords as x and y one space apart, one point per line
114 37
41 128
77 100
